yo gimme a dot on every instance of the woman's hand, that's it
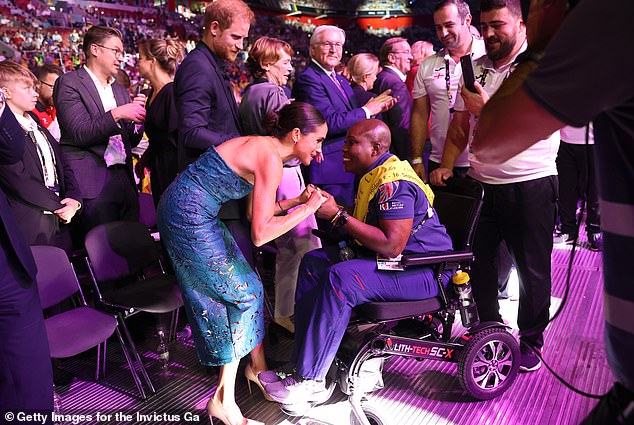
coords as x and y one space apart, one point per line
315 201
305 195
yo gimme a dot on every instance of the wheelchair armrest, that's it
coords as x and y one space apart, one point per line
412 260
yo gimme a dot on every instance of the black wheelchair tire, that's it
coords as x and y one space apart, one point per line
479 348
373 415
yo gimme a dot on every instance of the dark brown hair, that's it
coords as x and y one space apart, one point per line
293 115
98 35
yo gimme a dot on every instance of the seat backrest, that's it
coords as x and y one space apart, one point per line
56 279
458 206
120 249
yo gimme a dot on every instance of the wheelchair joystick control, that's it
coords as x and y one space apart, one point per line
468 308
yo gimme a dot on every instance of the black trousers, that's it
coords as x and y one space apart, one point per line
575 165
522 215
118 201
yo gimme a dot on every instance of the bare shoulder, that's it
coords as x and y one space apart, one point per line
250 155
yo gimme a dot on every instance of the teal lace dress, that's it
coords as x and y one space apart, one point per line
223 295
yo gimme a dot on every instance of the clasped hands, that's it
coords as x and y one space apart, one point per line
326 206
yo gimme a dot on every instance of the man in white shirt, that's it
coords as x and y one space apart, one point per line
520 194
99 127
436 86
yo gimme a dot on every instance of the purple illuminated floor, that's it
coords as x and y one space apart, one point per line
415 393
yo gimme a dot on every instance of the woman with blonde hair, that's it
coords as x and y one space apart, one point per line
363 68
158 60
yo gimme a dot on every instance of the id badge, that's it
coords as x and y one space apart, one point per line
393 264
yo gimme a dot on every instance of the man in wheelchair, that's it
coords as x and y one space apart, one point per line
393 215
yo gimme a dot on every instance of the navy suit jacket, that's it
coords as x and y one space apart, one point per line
207 111
398 117
86 128
12 143
314 86
23 183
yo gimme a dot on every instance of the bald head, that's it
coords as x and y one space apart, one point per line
376 130
366 141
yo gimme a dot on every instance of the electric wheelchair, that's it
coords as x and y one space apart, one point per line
487 355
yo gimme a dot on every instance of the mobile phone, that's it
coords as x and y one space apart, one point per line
467 73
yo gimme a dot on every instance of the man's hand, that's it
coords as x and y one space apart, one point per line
141 99
439 176
130 111
474 102
328 209
66 213
380 103
420 170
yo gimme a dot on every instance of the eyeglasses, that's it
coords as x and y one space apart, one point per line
407 52
117 52
328 45
47 84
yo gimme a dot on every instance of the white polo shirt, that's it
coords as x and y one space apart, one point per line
431 81
576 135
535 162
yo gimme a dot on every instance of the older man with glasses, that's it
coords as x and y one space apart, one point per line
98 129
320 86
396 59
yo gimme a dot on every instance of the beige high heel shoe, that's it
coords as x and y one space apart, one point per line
215 409
250 375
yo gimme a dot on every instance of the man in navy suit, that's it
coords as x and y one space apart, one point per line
320 86
26 377
99 128
396 57
207 110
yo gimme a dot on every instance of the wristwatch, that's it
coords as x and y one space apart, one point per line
340 218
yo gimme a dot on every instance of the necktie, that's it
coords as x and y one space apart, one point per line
338 84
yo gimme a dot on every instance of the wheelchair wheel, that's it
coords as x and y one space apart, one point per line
489 363
371 413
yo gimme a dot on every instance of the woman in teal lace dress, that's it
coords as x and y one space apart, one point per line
223 295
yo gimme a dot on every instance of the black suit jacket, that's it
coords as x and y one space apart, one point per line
397 117
207 110
23 183
12 143
86 128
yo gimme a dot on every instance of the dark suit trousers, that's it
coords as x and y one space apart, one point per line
26 377
575 165
523 216
118 201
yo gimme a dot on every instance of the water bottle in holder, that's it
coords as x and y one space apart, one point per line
163 350
345 252
468 308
